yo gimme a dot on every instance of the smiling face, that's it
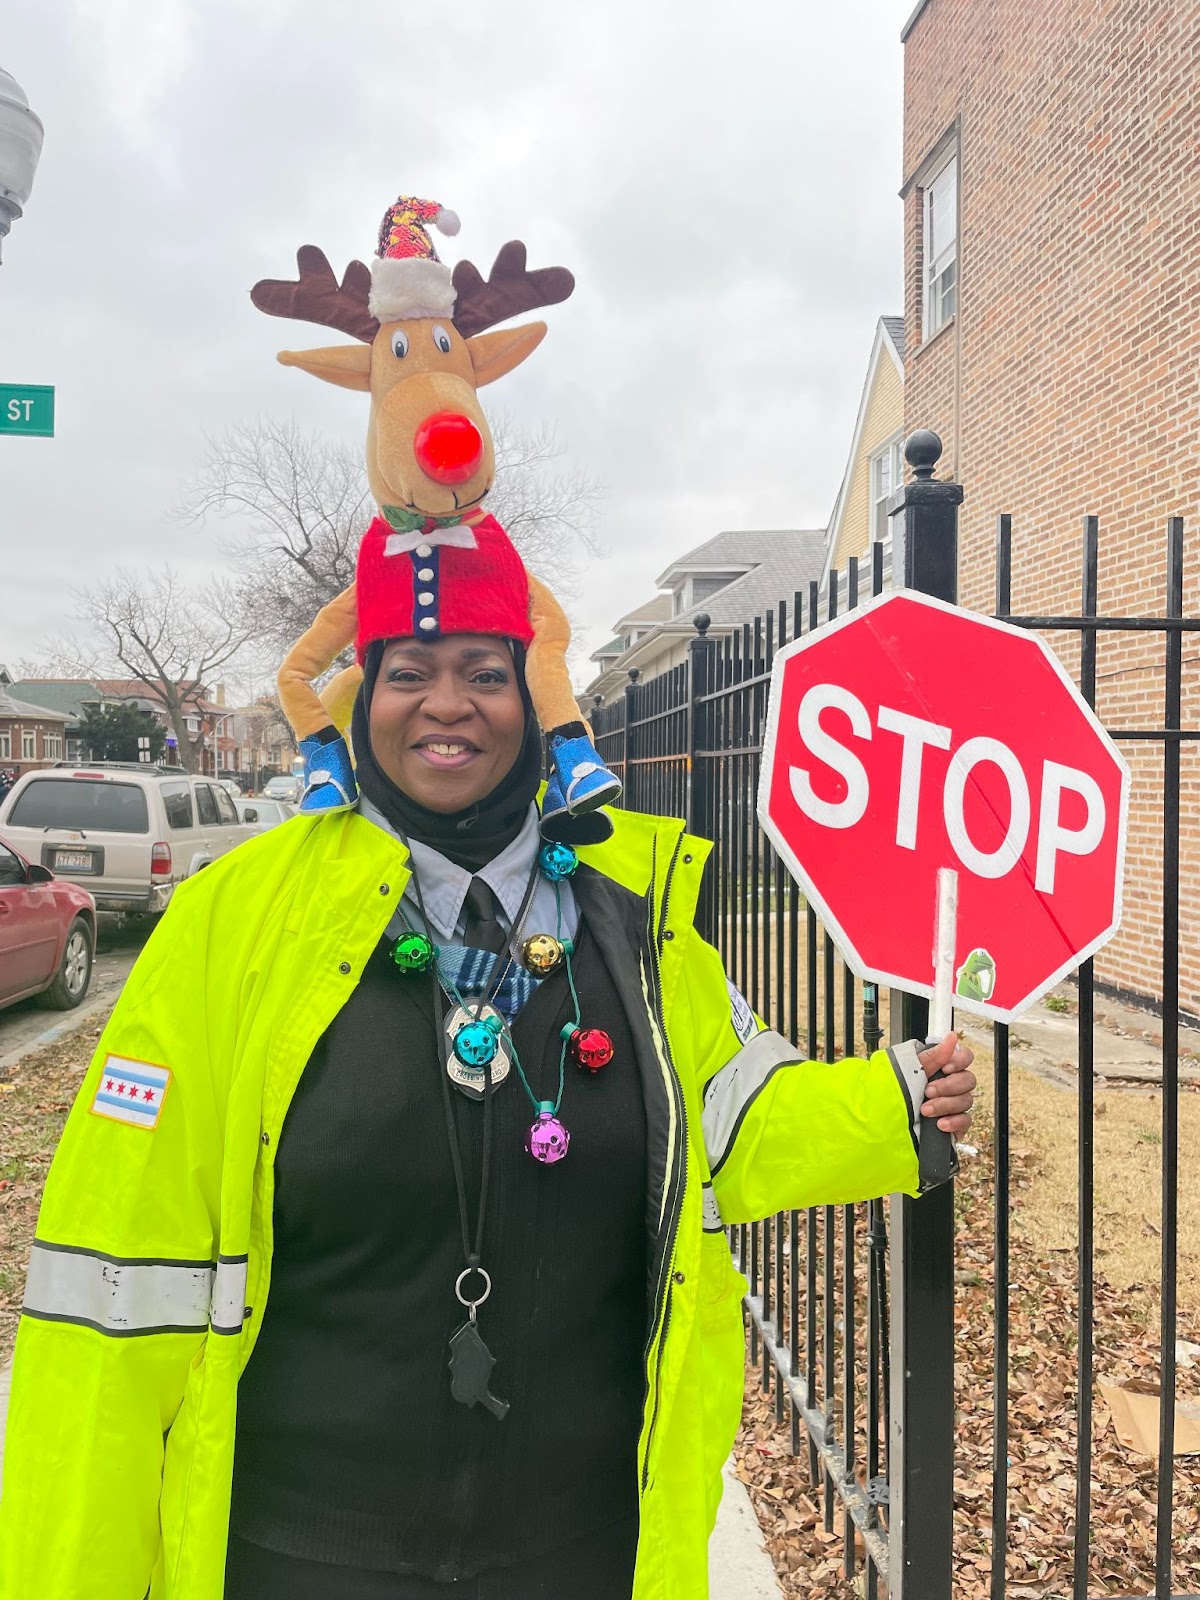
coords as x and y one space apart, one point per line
447 719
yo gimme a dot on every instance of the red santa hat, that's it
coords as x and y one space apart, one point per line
407 278
440 580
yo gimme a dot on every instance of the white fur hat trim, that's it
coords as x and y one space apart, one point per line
410 286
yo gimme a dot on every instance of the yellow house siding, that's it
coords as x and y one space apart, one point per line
884 419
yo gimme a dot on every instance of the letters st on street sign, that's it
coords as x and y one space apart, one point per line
909 736
27 408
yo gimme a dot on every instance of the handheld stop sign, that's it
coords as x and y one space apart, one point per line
911 739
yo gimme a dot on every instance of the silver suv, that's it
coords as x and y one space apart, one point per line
127 833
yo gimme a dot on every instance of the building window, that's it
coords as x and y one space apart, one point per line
193 724
5 745
52 746
940 201
887 474
28 745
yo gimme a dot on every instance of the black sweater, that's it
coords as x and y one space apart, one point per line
350 1449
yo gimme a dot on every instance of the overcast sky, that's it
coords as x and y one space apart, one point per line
722 178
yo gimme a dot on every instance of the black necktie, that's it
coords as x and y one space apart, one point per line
483 930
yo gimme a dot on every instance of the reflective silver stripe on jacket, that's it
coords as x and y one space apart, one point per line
117 1296
913 1079
229 1294
731 1092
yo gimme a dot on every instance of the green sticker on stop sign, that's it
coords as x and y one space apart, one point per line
27 408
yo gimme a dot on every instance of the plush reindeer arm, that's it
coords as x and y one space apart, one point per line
338 697
314 653
546 663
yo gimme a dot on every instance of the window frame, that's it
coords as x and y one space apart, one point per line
226 810
9 882
5 744
203 792
178 789
28 744
934 316
881 523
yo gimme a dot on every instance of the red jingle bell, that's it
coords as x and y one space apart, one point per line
591 1048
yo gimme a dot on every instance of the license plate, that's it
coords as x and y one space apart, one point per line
73 860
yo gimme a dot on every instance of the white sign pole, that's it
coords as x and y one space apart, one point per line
939 1159
941 1010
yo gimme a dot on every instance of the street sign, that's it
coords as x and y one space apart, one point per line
27 408
910 736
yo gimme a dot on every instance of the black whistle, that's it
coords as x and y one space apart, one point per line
471 1364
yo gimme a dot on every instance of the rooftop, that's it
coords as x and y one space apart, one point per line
12 707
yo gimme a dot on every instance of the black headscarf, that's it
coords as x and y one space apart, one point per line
469 838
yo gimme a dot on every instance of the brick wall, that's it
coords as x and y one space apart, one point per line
1069 380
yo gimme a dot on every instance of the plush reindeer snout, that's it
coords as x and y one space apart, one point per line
448 447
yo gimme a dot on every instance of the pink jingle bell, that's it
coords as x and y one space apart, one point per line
547 1140
591 1048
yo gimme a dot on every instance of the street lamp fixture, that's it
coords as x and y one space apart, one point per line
20 146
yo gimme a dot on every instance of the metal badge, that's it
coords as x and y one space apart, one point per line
466 1079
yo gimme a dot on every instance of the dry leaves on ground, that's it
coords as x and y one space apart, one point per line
1042 1446
35 1096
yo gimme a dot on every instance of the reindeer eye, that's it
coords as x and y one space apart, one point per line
400 343
442 339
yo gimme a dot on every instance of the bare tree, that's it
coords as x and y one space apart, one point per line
301 504
170 637
549 513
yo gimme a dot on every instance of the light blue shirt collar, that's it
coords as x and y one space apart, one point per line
444 884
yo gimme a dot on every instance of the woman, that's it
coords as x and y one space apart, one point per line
382 1255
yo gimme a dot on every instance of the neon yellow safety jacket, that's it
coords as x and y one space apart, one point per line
152 1264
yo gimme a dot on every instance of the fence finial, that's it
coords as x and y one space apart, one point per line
921 451
702 622
634 674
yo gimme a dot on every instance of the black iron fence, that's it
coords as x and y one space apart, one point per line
851 1310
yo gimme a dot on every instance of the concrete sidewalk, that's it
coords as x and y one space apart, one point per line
739 1567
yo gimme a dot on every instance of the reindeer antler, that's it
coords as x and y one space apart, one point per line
509 291
316 296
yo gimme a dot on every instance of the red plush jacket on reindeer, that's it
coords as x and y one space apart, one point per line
440 580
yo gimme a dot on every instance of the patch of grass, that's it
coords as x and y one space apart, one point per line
1057 1002
1127 1203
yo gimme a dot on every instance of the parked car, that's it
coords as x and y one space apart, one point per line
128 833
284 788
259 815
231 787
47 934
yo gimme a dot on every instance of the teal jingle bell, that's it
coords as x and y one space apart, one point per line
413 952
476 1043
557 861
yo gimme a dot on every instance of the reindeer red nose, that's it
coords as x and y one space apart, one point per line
448 447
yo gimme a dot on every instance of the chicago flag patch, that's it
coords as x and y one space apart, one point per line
131 1091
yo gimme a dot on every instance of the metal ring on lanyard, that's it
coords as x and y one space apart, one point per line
472 1305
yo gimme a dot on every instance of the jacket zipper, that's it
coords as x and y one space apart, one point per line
664 1295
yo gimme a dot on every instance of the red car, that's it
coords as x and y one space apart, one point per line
47 934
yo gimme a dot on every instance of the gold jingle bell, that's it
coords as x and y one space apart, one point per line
542 954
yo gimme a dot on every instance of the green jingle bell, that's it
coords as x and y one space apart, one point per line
413 952
542 954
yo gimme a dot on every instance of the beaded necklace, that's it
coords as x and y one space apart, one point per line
475 1043
479 1038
